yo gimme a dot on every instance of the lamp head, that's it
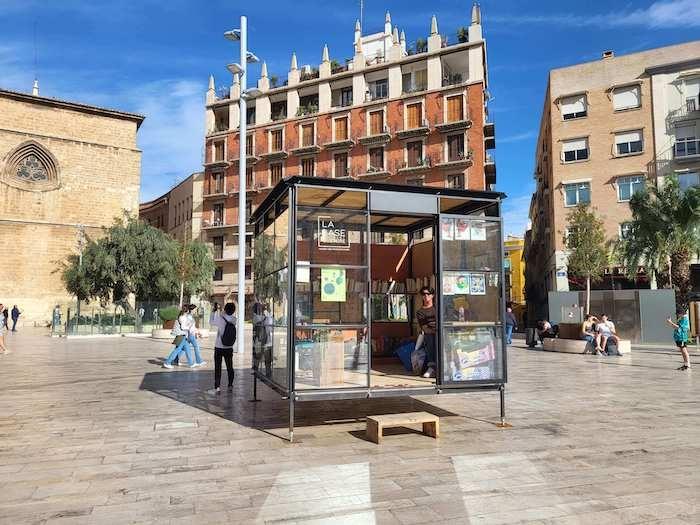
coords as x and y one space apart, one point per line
251 58
234 35
235 68
251 93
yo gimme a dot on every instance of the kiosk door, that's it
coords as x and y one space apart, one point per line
471 300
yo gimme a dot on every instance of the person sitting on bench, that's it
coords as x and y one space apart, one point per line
588 332
606 331
545 330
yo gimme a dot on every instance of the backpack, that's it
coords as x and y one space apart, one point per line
228 338
260 333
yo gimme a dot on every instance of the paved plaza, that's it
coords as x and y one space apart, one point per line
94 431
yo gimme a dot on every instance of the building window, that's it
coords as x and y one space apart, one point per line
376 122
455 111
307 135
218 151
413 115
574 107
249 145
415 81
625 230
574 150
376 159
275 173
687 144
691 91
628 186
249 177
307 167
341 128
278 110
628 143
218 247
218 214
248 246
276 140
689 180
217 183
346 97
250 116
378 89
456 181
414 153
455 147
578 193
627 97
218 273
340 165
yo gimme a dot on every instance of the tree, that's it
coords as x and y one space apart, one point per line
664 233
588 253
462 34
195 267
421 45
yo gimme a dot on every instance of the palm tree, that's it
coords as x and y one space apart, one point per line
664 234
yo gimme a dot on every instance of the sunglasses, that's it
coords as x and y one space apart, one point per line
426 293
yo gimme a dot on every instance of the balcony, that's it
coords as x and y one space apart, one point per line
373 173
421 164
490 168
460 161
279 116
689 110
490 135
215 224
422 130
376 138
340 144
412 87
215 192
249 159
275 154
686 149
310 74
454 125
305 150
453 79
218 163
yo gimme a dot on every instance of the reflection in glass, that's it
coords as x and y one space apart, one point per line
472 353
329 236
471 296
330 295
330 358
470 244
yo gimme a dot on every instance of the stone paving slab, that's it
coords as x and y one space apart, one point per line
94 431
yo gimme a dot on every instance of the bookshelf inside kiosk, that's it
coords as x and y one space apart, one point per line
338 266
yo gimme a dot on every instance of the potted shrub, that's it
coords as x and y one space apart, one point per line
168 316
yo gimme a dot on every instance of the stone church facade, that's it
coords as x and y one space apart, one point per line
66 171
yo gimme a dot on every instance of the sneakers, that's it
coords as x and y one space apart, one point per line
429 372
230 389
167 365
683 367
200 364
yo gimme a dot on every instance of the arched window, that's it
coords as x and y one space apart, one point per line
31 166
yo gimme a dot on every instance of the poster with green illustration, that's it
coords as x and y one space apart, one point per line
333 285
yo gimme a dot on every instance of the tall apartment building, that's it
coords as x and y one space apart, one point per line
607 126
179 211
387 115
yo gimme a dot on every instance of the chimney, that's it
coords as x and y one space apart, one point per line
608 54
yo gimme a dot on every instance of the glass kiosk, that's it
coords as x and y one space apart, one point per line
338 267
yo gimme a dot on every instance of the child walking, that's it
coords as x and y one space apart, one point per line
681 335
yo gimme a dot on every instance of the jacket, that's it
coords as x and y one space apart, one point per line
219 321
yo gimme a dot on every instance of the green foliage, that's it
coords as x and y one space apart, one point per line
462 34
588 253
195 267
169 313
664 233
334 64
421 45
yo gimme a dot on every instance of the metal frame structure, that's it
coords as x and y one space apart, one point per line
477 200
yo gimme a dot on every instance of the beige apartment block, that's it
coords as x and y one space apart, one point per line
67 170
599 141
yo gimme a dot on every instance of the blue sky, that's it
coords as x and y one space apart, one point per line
155 58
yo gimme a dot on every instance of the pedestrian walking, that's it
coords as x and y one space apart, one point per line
15 316
5 317
180 343
225 324
188 324
511 324
3 329
681 336
56 324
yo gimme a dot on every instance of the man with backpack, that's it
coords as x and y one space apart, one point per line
262 338
223 348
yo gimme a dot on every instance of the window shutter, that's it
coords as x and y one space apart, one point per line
414 153
413 115
632 136
626 97
685 132
376 121
573 105
454 108
574 145
341 128
307 135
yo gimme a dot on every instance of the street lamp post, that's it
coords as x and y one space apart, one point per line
240 69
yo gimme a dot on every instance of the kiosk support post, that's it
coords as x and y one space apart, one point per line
502 395
291 417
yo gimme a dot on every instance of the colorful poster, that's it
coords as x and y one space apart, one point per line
477 284
448 283
462 230
333 285
448 229
303 272
478 231
461 283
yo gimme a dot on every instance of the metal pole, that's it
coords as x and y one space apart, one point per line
502 391
241 187
291 417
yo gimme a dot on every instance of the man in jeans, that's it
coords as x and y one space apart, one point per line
428 324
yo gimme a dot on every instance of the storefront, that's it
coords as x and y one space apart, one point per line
338 268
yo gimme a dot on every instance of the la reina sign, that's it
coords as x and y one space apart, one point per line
332 235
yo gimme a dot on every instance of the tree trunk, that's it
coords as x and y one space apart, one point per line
588 294
182 291
679 263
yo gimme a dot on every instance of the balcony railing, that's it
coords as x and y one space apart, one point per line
279 116
452 79
414 87
308 75
371 96
691 106
307 110
685 148
220 126
419 164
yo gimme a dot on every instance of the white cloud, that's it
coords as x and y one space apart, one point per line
515 215
516 138
662 14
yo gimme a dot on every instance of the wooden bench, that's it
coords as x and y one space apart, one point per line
376 424
578 346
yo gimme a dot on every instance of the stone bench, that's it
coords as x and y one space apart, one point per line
377 424
579 346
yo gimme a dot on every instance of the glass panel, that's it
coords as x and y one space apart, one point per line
471 297
330 295
281 239
472 353
328 198
264 259
331 237
470 244
330 358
